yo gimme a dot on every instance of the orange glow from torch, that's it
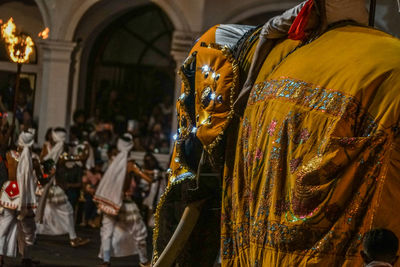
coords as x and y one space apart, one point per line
44 34
19 46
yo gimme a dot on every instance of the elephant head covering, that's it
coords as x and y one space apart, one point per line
109 194
59 136
25 177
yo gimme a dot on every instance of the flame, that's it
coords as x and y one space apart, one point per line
19 46
8 31
45 33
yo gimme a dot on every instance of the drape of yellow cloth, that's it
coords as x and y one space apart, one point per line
317 160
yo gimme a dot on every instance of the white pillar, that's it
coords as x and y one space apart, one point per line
54 96
75 76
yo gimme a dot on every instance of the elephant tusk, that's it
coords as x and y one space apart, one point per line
181 235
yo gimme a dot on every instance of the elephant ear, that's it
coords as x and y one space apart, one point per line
216 87
210 86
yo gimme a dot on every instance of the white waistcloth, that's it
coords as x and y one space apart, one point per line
8 233
58 219
124 238
15 234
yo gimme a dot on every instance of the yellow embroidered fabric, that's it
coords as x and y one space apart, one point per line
318 153
217 79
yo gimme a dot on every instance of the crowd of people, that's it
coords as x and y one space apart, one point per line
69 169
83 176
151 130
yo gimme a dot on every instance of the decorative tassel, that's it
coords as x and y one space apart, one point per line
297 30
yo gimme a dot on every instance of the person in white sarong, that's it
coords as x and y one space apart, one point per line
58 214
17 197
123 231
152 168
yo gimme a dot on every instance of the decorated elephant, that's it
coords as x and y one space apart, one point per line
288 146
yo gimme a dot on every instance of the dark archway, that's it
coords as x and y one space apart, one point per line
260 19
131 61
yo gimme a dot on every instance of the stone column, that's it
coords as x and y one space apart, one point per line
54 97
182 43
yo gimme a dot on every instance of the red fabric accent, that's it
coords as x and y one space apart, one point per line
12 189
297 30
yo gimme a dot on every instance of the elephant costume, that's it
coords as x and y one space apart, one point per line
288 145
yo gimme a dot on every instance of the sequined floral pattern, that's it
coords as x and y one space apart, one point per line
315 98
272 127
291 174
294 164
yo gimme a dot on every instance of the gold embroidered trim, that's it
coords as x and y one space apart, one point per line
157 213
235 83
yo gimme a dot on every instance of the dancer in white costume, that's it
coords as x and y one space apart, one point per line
17 225
123 231
58 214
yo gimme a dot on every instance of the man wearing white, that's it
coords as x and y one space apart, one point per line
58 216
17 225
123 231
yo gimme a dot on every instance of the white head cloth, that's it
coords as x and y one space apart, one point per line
55 152
25 177
278 26
109 194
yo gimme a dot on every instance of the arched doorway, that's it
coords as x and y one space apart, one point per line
131 77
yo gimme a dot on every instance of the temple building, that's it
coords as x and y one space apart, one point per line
98 49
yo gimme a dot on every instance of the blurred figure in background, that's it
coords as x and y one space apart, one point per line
57 215
17 224
152 168
380 248
90 182
123 231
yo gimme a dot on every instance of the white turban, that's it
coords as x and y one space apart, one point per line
55 152
27 138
